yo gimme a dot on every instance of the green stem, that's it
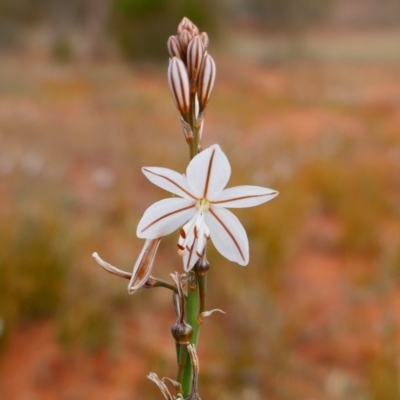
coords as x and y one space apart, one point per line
202 282
161 283
192 311
192 304
194 142
182 360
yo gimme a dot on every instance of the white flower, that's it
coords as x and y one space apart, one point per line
200 210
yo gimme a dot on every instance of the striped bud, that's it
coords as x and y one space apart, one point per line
174 48
179 84
205 82
184 38
204 39
194 56
187 24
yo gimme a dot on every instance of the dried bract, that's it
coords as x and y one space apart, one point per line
194 395
187 130
161 385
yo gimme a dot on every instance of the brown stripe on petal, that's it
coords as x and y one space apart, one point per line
208 174
182 233
194 56
184 89
171 181
228 232
242 197
190 256
166 216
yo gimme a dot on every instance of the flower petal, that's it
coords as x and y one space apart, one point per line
169 180
208 172
190 258
164 217
243 196
228 235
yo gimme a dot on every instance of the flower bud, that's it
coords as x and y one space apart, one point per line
205 81
202 266
194 56
184 38
187 24
182 333
204 39
179 84
174 48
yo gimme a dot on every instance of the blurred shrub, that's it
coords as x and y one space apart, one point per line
288 14
34 255
85 324
142 27
62 49
21 11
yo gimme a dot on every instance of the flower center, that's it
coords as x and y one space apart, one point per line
202 205
194 234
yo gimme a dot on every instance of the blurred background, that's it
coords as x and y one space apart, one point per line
307 101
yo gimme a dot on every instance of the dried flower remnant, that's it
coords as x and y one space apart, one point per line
194 395
200 211
161 385
142 269
181 331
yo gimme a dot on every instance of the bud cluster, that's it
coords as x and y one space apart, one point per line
191 74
